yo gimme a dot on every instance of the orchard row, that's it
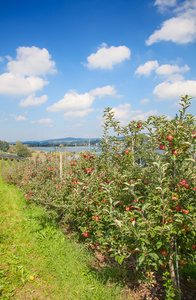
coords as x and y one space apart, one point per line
136 200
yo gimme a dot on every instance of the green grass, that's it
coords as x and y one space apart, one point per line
31 243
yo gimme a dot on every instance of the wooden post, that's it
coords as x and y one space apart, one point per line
65 158
60 164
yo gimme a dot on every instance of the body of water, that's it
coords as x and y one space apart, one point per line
68 149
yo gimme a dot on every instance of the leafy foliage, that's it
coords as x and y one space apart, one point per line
136 200
4 146
22 150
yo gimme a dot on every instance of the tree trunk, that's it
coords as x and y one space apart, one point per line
171 266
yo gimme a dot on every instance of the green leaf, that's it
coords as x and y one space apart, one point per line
153 255
159 244
141 259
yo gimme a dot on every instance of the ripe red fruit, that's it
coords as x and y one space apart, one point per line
108 181
170 137
97 218
126 151
182 182
186 185
164 252
85 234
132 219
178 208
104 200
139 125
174 152
162 147
84 154
194 247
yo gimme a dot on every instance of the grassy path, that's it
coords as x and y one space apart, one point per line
32 244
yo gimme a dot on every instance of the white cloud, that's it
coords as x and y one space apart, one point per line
144 101
72 100
43 121
124 114
180 29
33 101
31 61
5 120
106 58
175 77
1 59
77 113
162 4
173 90
165 2
170 69
147 68
23 76
171 72
144 116
19 118
15 84
104 91
78 105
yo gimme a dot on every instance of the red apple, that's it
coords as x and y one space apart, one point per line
164 252
174 152
85 234
139 125
170 137
194 247
186 185
178 208
162 147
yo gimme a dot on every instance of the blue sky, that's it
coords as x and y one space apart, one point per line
63 61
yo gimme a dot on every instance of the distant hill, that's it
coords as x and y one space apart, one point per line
67 141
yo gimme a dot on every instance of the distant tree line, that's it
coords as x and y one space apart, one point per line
22 150
19 149
4 146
